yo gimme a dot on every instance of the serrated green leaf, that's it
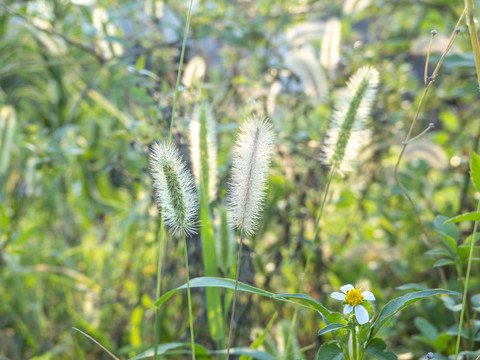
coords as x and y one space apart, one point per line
330 328
475 170
395 305
376 349
330 351
336 317
471 216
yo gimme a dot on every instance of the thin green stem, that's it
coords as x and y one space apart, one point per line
175 98
190 316
465 288
354 340
239 258
309 256
412 126
472 29
159 276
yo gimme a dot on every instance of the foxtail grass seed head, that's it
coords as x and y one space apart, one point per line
346 133
251 162
203 149
174 188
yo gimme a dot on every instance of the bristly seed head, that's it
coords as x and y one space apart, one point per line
251 161
203 149
174 188
346 133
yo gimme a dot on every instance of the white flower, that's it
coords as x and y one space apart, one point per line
353 297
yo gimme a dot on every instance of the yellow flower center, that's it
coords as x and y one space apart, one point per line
354 296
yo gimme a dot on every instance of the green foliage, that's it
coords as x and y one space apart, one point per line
83 96
376 349
398 304
330 351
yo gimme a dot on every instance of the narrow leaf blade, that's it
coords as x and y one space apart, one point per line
395 305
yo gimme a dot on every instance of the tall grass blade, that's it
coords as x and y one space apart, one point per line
214 303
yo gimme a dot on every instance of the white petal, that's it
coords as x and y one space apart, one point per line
338 296
367 295
347 287
361 314
347 309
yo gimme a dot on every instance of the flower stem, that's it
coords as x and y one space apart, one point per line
159 276
465 288
309 256
239 258
180 64
354 340
190 317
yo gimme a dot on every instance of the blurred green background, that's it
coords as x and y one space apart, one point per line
87 85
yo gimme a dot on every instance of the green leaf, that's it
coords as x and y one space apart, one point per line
426 328
475 170
411 286
437 252
311 301
441 342
449 230
200 351
330 328
475 299
444 262
335 317
330 351
8 121
214 301
261 338
395 305
205 282
376 349
253 353
140 63
471 216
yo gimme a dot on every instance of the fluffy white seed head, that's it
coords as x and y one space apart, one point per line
304 63
346 134
252 155
174 188
203 149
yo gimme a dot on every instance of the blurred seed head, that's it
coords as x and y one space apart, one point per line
251 162
174 188
346 133
203 149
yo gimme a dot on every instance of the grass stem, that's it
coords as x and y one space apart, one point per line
160 241
309 256
179 74
465 288
239 258
190 316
